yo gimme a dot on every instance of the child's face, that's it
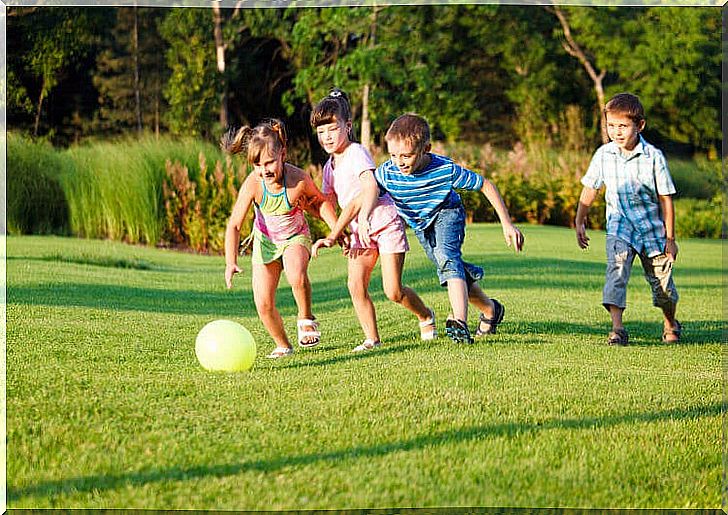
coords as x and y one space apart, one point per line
270 168
333 137
407 158
623 130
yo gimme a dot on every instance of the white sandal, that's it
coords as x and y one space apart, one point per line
427 335
366 345
280 352
302 333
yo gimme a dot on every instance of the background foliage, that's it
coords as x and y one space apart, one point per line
482 73
132 97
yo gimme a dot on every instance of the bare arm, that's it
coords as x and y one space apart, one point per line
511 233
586 199
318 204
232 231
668 216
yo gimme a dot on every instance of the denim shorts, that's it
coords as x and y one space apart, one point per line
442 241
657 271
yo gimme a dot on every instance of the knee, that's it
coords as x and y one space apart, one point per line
394 292
357 290
264 306
298 281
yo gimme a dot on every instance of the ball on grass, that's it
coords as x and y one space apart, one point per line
224 345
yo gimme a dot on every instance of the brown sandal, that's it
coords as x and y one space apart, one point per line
618 337
672 332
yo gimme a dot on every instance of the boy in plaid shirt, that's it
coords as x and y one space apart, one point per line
640 215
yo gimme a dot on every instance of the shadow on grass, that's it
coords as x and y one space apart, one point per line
328 295
381 352
643 334
129 298
98 483
501 273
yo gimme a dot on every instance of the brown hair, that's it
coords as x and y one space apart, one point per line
269 135
411 128
626 104
333 107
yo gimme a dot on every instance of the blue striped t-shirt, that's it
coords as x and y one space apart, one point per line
420 195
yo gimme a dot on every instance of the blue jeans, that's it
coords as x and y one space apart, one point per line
442 241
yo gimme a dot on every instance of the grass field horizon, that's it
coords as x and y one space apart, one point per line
107 406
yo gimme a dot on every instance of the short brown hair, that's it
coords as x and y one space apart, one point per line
626 104
411 128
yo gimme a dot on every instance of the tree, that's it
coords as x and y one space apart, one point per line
130 73
675 68
599 38
192 90
56 40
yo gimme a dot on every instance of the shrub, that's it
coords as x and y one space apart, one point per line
697 218
196 212
696 178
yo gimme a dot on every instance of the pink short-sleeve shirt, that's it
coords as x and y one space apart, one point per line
386 228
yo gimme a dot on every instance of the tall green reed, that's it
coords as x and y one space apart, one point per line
116 192
35 202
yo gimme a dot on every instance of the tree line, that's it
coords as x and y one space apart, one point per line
479 73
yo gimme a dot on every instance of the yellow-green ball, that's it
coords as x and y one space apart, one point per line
224 345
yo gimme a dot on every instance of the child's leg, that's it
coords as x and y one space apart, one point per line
480 300
658 273
361 264
265 282
392 265
615 313
295 266
491 311
620 256
457 292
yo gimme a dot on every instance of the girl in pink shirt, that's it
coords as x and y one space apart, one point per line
348 171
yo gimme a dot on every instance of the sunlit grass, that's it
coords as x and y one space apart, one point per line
108 407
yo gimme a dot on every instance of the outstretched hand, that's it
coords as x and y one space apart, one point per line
230 271
514 237
323 242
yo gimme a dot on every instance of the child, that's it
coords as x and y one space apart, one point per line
280 192
640 215
348 172
422 186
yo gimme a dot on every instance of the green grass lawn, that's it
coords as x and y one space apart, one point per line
107 406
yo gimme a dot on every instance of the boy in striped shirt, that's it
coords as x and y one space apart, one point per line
640 215
422 186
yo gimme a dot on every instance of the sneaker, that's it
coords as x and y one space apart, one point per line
458 331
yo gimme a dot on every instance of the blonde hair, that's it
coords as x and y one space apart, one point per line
410 128
626 104
269 135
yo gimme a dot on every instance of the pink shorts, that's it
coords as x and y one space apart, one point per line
390 239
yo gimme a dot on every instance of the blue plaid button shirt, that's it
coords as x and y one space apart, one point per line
633 184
